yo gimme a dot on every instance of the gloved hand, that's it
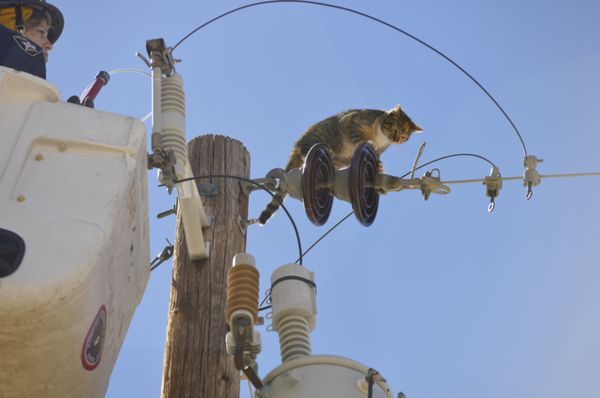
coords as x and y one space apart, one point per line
75 100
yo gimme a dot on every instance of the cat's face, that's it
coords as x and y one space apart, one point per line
398 126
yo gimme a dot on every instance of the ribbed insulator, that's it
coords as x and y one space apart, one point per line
173 114
294 338
242 290
254 349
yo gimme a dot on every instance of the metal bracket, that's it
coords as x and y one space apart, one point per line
165 162
493 184
243 224
431 183
160 56
208 189
371 374
169 212
260 183
163 256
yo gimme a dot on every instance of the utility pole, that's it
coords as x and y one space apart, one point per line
196 363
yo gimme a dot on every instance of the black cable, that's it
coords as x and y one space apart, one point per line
266 298
389 25
451 156
326 233
417 168
264 189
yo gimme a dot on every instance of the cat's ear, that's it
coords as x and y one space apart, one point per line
395 109
415 128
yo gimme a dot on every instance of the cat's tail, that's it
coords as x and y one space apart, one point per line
280 189
295 160
272 207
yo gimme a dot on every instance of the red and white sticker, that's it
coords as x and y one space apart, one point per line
91 352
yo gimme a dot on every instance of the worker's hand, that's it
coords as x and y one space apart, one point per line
75 100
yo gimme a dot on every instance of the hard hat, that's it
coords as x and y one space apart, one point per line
14 14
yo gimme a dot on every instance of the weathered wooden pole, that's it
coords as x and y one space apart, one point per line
196 362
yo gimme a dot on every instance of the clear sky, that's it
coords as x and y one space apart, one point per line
441 297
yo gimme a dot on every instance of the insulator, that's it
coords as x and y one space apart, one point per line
242 287
316 174
363 196
173 117
294 337
294 309
531 177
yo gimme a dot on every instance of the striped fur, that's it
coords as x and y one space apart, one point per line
342 133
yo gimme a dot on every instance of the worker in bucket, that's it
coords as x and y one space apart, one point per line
28 29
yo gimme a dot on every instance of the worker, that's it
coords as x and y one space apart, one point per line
28 30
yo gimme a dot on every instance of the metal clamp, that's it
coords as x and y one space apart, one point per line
163 256
493 184
275 180
165 162
431 183
531 177
160 56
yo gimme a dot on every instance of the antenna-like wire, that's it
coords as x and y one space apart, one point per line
380 21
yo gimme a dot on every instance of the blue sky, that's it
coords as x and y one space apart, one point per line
441 297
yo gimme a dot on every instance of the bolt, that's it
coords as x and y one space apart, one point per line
21 198
39 157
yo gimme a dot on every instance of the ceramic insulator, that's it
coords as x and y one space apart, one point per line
294 309
242 287
294 337
173 117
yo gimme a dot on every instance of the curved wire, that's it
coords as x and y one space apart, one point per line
454 155
389 25
116 72
300 257
327 233
140 72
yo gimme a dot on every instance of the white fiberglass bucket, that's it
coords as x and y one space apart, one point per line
73 209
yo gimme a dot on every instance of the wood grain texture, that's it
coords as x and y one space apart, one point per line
196 363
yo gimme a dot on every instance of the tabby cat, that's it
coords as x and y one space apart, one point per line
342 133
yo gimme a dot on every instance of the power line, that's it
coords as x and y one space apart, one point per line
326 233
380 21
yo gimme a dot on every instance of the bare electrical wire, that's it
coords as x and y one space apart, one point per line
264 189
380 21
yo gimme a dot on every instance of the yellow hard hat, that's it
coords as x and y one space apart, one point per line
15 13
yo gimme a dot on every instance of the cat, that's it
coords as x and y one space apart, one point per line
342 134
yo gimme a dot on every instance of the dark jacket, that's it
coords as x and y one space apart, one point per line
20 53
